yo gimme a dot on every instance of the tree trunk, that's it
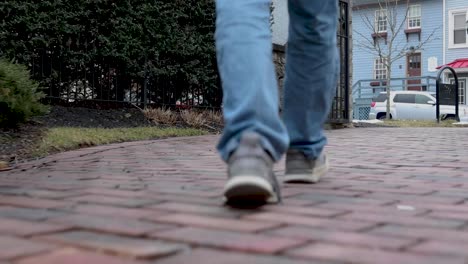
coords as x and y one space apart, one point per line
387 85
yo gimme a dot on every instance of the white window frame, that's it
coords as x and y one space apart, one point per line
409 17
376 20
461 96
451 28
380 69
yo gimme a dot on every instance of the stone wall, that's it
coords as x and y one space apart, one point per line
280 63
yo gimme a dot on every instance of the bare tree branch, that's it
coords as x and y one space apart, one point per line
392 51
387 46
403 22
366 43
420 45
429 38
378 47
373 44
369 24
391 20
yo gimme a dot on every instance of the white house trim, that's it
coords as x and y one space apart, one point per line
409 17
377 21
463 89
451 28
444 40
461 70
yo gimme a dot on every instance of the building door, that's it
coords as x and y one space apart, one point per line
413 62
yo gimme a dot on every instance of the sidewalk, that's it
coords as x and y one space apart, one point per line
394 195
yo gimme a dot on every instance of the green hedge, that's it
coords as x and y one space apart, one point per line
60 39
19 95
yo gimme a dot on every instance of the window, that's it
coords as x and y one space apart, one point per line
381 21
380 70
414 61
458 29
381 98
405 98
421 99
414 16
459 34
461 90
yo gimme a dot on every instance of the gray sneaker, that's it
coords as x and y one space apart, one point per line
250 171
300 169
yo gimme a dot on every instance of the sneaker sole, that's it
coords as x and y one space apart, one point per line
245 189
307 177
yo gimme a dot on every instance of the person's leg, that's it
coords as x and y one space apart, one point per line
250 103
244 51
311 80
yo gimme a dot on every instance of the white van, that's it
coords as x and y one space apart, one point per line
412 105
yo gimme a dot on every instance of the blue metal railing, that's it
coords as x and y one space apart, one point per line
365 90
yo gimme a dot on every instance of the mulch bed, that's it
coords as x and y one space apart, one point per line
61 116
16 144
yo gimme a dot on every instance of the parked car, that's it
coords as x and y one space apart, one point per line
412 105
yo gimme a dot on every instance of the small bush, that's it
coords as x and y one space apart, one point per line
19 95
190 117
215 117
193 118
161 116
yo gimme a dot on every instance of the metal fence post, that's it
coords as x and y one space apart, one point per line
359 89
437 99
145 84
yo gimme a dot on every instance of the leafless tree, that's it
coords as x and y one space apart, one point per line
385 27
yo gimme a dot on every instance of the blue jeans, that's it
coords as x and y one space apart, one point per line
245 61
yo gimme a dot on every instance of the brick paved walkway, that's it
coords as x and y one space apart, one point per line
393 196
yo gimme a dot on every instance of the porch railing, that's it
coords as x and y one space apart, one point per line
365 90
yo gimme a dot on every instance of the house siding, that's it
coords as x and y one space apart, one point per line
431 20
454 53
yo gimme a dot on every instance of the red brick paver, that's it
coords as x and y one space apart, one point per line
12 247
135 247
74 256
392 196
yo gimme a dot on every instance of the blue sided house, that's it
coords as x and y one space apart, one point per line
423 35
412 30
455 45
